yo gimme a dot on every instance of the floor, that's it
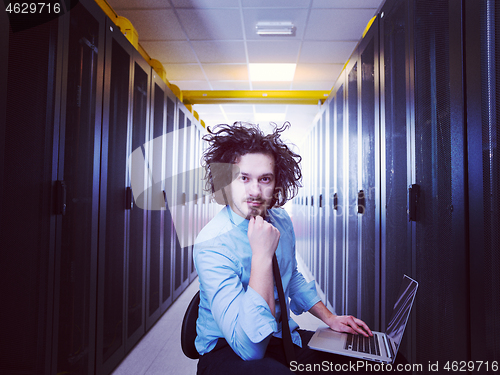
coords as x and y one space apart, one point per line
159 351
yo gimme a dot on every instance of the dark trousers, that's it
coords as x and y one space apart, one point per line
223 361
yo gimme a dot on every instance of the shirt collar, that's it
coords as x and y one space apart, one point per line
236 219
240 222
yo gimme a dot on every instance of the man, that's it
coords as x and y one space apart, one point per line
240 320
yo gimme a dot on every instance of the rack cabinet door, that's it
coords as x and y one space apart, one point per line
330 196
115 202
439 171
191 197
79 171
353 297
322 193
139 215
368 179
339 204
169 236
483 139
28 154
156 160
396 248
180 207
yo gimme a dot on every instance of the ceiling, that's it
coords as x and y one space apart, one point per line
208 45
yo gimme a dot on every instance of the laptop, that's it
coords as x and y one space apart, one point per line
381 347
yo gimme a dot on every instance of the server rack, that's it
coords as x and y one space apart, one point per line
315 212
84 187
414 130
351 166
328 203
439 230
339 201
395 143
77 186
179 211
321 201
137 240
27 199
368 189
482 102
116 201
168 223
155 163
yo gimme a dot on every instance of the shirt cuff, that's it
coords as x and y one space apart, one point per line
307 298
256 318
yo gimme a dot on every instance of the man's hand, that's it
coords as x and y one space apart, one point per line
263 237
340 323
349 324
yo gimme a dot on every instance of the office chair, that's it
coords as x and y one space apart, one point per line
188 329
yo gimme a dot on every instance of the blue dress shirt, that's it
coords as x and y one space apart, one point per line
229 308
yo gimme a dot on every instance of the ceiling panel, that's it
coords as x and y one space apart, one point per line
175 52
205 3
317 72
166 25
183 72
273 51
226 72
207 45
276 3
220 51
208 24
338 24
326 52
374 4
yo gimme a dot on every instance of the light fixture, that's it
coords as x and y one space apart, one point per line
275 28
271 117
271 72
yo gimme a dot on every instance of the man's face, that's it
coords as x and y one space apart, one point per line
253 187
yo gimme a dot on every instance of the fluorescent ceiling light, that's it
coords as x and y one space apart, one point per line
271 117
275 28
271 72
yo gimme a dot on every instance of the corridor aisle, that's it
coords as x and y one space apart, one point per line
159 351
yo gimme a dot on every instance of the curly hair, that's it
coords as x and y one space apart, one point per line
228 143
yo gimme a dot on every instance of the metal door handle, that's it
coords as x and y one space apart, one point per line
129 200
413 195
60 187
361 202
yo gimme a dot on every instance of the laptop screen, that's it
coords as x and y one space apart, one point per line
401 312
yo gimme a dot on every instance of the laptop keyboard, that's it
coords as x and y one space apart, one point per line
362 344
